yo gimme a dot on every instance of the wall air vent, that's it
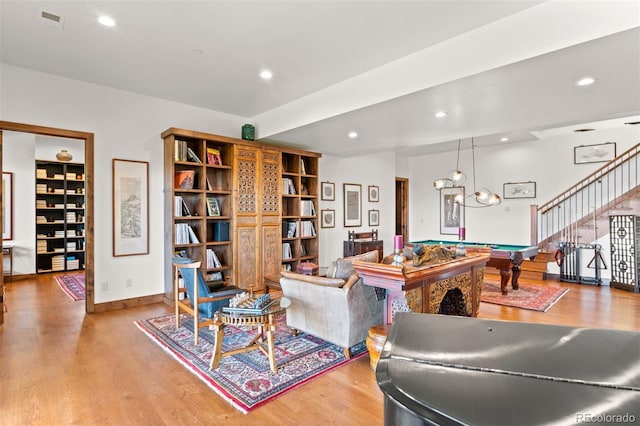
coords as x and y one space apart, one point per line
51 19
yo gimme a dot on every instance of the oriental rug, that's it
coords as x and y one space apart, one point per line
528 296
72 284
245 380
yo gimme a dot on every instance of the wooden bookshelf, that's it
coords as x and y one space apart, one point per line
60 212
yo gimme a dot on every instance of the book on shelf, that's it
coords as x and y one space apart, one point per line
307 229
213 261
41 173
184 234
286 251
213 157
307 208
286 267
180 150
185 179
303 170
213 207
193 238
288 187
289 229
209 187
192 156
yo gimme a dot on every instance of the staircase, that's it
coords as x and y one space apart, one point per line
579 216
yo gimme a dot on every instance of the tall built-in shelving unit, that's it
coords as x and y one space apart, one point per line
60 211
299 210
242 227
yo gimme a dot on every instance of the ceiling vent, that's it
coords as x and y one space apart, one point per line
632 123
583 130
51 19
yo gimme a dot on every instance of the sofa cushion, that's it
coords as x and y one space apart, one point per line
313 279
344 266
331 270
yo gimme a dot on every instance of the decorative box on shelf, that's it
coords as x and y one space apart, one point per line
307 268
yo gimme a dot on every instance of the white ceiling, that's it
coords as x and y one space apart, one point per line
381 68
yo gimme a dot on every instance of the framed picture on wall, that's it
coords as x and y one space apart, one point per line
328 218
7 203
594 153
451 213
352 204
519 190
374 194
327 191
130 207
374 217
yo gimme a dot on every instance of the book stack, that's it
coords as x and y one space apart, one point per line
289 229
73 263
41 188
41 219
192 156
41 246
57 263
71 216
41 173
71 176
41 204
71 246
59 233
180 150
58 176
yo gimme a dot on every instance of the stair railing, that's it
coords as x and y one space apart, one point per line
565 217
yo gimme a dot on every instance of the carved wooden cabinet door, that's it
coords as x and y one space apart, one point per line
257 216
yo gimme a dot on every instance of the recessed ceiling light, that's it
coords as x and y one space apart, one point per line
504 139
107 21
441 114
266 74
353 135
586 81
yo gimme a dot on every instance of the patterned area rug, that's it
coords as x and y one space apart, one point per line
528 296
245 379
72 284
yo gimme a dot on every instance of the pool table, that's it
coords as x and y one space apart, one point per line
505 257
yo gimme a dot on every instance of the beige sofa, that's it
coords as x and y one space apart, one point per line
338 308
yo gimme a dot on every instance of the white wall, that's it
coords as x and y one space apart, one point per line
372 169
126 125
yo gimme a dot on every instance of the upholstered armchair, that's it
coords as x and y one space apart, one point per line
338 308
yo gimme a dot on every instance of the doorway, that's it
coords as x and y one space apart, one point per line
87 139
402 208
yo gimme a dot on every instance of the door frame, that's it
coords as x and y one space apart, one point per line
402 208
88 139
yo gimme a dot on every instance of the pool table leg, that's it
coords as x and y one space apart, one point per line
505 274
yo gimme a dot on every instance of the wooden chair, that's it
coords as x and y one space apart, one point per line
198 300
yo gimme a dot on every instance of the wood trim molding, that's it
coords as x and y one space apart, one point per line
129 303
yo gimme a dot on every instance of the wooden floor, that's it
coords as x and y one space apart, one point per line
60 366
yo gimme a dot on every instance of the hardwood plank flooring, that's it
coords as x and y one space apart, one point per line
60 366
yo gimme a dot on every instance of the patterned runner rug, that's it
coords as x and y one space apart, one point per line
72 284
245 379
528 296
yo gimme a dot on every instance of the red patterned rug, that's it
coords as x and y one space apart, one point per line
528 296
72 284
245 379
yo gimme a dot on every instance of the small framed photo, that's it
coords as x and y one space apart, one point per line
374 194
598 153
519 190
328 218
374 217
327 191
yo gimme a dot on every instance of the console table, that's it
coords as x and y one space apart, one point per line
363 242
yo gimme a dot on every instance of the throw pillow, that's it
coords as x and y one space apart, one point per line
344 266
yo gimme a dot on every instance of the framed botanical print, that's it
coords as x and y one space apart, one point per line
352 204
519 190
594 153
451 212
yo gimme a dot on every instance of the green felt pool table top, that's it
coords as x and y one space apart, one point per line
501 247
